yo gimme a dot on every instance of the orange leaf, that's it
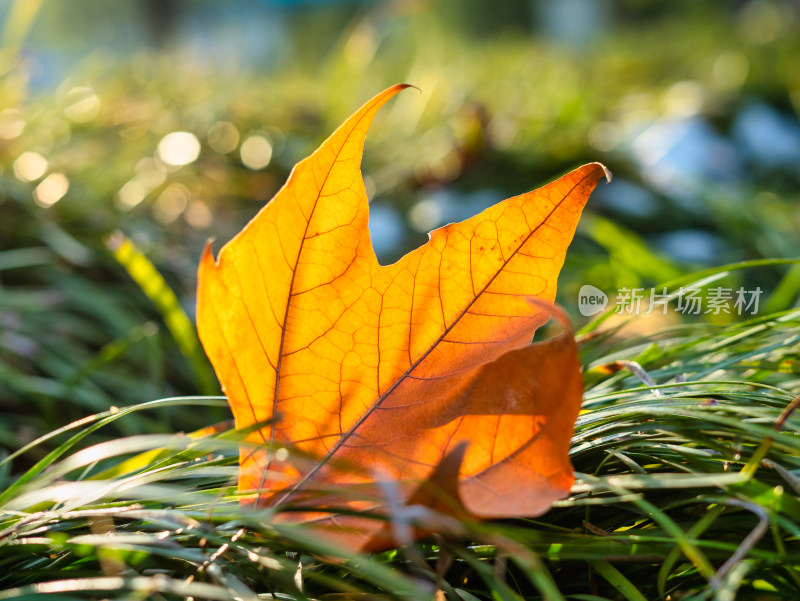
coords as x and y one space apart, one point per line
390 368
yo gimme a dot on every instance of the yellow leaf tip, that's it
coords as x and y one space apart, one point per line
403 86
207 258
606 172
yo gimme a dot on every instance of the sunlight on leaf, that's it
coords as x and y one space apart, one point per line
381 371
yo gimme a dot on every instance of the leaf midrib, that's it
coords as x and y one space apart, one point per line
382 397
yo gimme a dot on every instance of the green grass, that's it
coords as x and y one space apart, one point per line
687 488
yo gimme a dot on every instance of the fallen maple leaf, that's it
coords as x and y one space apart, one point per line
387 369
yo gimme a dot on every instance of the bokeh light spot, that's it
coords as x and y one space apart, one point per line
730 69
51 189
150 172
223 137
30 166
81 104
604 136
178 148
256 152
763 21
171 203
198 215
425 215
131 194
12 124
684 99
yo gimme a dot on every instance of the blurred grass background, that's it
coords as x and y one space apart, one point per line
172 122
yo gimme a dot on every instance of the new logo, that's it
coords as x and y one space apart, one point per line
591 300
